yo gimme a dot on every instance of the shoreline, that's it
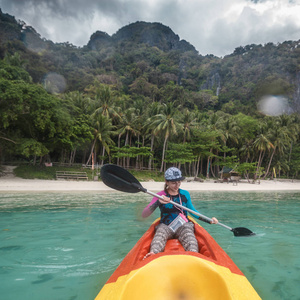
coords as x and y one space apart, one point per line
15 184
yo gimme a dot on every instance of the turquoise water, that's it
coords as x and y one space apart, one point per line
65 246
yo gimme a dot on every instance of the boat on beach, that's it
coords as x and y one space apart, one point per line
176 274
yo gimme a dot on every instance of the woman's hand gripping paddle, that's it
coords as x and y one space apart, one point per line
120 179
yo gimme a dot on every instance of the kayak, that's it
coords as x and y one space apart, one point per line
176 274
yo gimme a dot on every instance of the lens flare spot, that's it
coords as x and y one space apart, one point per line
273 105
54 83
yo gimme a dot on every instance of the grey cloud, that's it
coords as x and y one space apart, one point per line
75 8
213 27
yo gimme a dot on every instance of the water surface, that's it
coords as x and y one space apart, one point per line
65 246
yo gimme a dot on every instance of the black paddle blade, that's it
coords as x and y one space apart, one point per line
242 231
120 179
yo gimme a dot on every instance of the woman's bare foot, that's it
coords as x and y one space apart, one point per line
148 255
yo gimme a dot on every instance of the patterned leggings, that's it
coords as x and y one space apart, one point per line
185 234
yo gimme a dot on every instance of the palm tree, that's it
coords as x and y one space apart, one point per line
214 123
261 143
189 121
78 103
229 131
247 149
139 106
282 133
103 130
166 123
248 127
127 126
152 111
105 102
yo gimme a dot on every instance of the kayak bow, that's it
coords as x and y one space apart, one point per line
177 274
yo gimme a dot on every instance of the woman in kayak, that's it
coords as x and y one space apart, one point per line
173 222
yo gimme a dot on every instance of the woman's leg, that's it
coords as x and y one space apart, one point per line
186 236
162 234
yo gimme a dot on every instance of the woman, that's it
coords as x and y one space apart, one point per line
173 222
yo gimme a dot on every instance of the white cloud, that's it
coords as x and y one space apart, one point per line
212 26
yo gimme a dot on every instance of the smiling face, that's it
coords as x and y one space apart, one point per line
173 187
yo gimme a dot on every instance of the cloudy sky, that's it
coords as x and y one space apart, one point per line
212 26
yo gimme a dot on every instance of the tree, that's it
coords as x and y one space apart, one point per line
282 133
262 144
204 144
166 123
104 102
27 111
79 108
103 130
153 109
127 126
189 121
178 154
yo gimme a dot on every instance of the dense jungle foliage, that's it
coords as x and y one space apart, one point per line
145 99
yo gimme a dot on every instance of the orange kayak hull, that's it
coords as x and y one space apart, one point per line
177 274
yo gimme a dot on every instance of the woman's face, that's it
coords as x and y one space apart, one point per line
173 187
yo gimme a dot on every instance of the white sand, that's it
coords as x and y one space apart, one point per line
10 183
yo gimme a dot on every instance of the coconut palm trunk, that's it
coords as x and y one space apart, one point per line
163 154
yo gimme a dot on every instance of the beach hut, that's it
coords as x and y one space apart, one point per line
229 174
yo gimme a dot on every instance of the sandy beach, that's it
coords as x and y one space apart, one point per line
10 183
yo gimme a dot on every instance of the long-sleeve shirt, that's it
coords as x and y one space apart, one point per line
169 211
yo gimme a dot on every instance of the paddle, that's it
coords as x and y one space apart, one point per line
120 179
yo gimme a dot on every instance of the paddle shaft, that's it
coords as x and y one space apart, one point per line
120 179
187 209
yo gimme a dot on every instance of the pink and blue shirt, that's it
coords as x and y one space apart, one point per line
169 211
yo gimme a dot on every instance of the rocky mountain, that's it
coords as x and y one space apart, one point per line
151 34
9 28
99 40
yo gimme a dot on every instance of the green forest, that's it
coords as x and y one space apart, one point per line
144 104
